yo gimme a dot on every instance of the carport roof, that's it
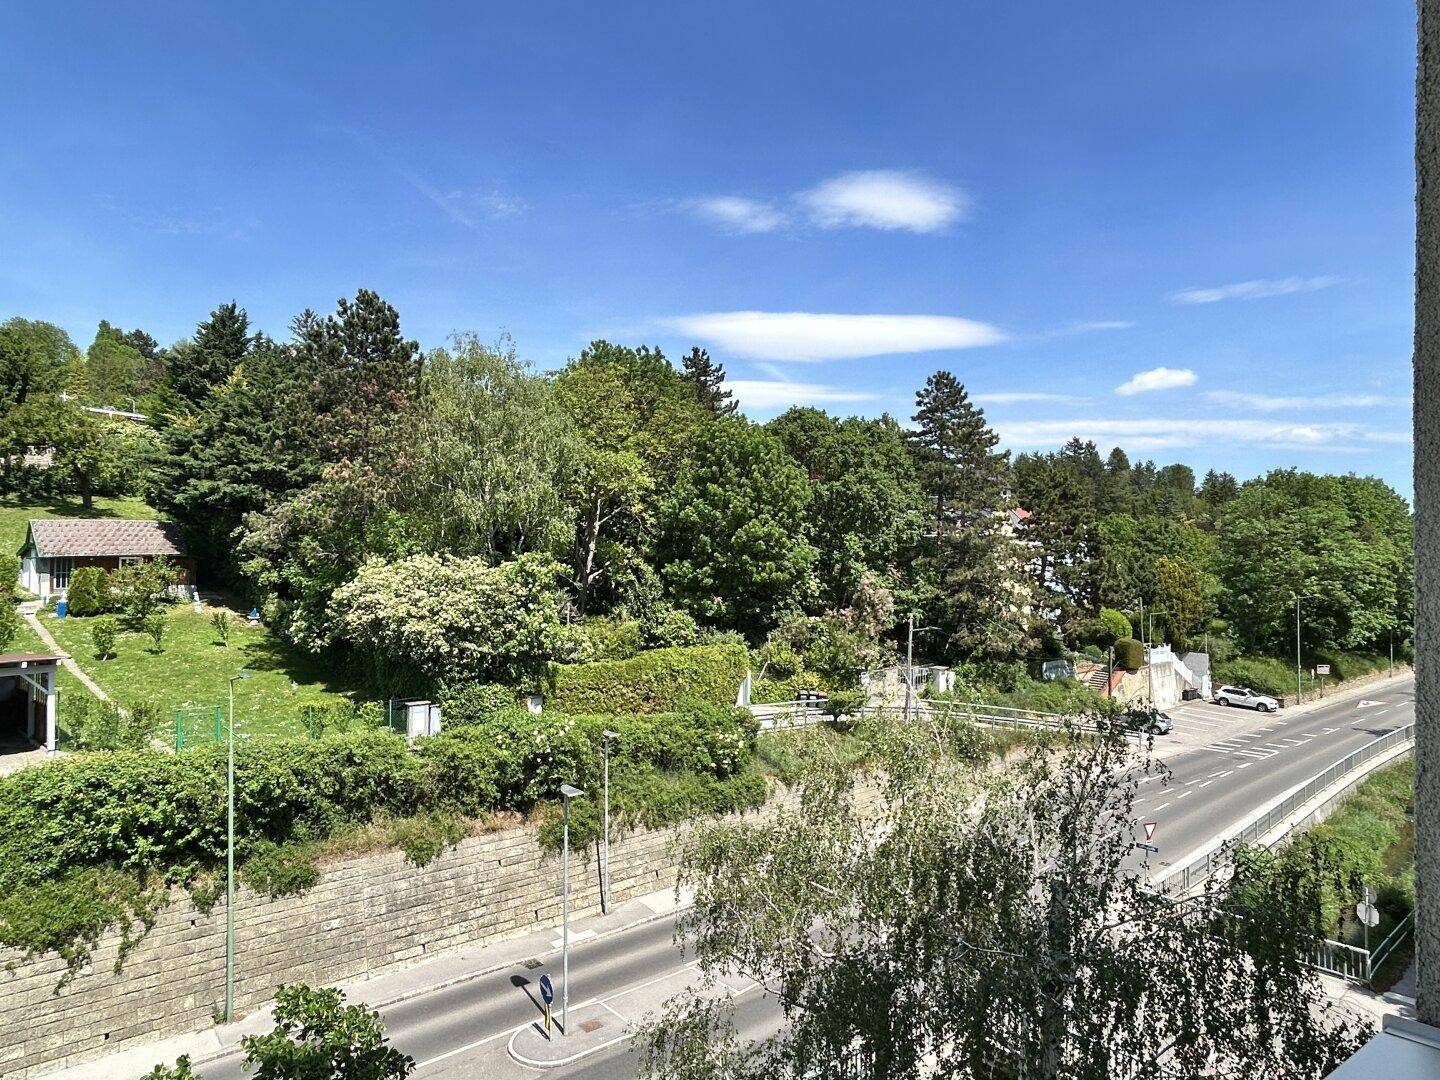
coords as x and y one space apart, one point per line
27 659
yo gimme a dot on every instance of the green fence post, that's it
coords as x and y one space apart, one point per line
219 725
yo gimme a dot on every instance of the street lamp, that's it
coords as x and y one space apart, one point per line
567 792
910 659
230 848
605 737
1299 691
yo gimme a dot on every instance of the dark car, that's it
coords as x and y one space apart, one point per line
1148 721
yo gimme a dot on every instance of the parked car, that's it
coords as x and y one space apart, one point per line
1245 698
1147 721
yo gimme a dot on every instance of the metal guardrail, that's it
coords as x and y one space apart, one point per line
1200 869
1392 941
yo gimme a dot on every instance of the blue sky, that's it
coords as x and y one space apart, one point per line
1209 205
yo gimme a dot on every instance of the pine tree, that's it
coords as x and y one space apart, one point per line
708 379
955 451
220 343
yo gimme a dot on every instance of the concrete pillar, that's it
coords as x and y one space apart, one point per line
1427 512
30 707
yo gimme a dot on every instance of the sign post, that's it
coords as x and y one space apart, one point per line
1147 844
547 995
1367 913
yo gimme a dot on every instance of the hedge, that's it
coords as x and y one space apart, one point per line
1129 654
653 682
144 810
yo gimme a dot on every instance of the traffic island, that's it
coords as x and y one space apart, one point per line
593 1028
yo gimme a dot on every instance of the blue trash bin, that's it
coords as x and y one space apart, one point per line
61 609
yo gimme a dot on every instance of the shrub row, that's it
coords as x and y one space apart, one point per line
652 682
143 810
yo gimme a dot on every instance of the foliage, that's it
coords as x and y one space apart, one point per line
654 681
596 639
1129 654
181 1070
89 592
707 382
35 359
154 626
733 550
92 724
220 622
450 618
424 836
1116 624
10 623
1002 888
140 589
474 702
67 911
1262 673
318 1037
220 346
281 869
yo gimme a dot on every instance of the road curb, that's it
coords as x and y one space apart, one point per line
559 1063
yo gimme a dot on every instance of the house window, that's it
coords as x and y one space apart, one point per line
130 560
60 573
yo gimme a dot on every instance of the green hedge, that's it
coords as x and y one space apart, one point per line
144 810
653 682
1129 654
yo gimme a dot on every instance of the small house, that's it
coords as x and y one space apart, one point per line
55 548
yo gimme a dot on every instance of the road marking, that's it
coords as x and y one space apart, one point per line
1245 766
1182 795
1331 730
1294 742
1157 809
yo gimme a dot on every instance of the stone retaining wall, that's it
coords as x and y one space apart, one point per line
366 914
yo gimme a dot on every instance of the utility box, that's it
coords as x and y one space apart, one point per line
421 718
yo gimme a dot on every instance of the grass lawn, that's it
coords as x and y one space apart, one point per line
16 512
192 668
27 641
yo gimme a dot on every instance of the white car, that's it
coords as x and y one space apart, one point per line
1246 698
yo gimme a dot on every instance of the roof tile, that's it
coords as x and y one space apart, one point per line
105 536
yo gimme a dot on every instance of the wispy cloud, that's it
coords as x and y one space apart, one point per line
804 335
1100 324
1017 397
739 213
884 199
1160 378
1169 432
1240 399
769 393
1253 290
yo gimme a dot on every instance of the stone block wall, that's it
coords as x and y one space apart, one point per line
365 915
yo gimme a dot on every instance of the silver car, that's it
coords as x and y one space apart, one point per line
1246 698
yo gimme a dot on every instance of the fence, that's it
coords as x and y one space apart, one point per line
1200 869
204 725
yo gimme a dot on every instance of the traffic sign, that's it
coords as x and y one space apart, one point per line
547 990
1368 914
1149 830
1322 669
1149 847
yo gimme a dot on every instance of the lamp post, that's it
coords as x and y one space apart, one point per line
1299 690
230 848
910 660
567 792
605 737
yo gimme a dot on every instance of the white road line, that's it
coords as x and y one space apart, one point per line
1182 795
1157 809
1207 783
1331 730
1245 766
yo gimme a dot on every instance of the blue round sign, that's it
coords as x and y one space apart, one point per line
547 990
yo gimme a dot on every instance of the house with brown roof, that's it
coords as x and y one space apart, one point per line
55 548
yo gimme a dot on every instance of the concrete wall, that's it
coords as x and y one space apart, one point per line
365 915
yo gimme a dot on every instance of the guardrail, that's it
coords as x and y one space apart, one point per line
1200 869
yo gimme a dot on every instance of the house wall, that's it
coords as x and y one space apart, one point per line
43 575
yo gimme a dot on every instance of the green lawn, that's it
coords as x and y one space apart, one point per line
192 669
15 512
27 641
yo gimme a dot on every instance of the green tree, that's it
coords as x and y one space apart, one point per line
979 922
632 414
733 545
1185 594
115 370
318 1037
707 382
35 358
1063 532
954 450
88 449
219 346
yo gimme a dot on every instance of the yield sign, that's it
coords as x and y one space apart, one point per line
1149 830
1368 704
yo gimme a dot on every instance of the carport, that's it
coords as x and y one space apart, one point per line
27 699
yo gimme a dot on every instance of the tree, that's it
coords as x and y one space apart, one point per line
707 381
978 922
219 346
89 449
733 549
487 455
954 451
318 1037
1185 594
1062 531
632 414
450 619
114 369
36 358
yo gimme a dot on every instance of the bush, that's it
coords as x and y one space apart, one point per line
666 627
1262 673
154 626
768 691
102 636
474 703
1115 623
181 1070
220 623
1129 654
655 681
425 836
92 724
281 869
317 1035
139 589
778 660
89 592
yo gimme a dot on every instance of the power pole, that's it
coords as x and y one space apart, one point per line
909 663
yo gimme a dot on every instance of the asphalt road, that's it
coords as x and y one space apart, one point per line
1215 786
1249 759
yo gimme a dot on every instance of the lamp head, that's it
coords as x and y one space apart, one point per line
569 791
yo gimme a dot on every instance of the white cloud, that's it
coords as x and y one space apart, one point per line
1181 431
1239 399
769 393
1253 290
884 199
1101 324
1015 397
738 213
803 335
1160 378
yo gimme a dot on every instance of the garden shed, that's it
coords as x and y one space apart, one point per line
27 700
55 548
